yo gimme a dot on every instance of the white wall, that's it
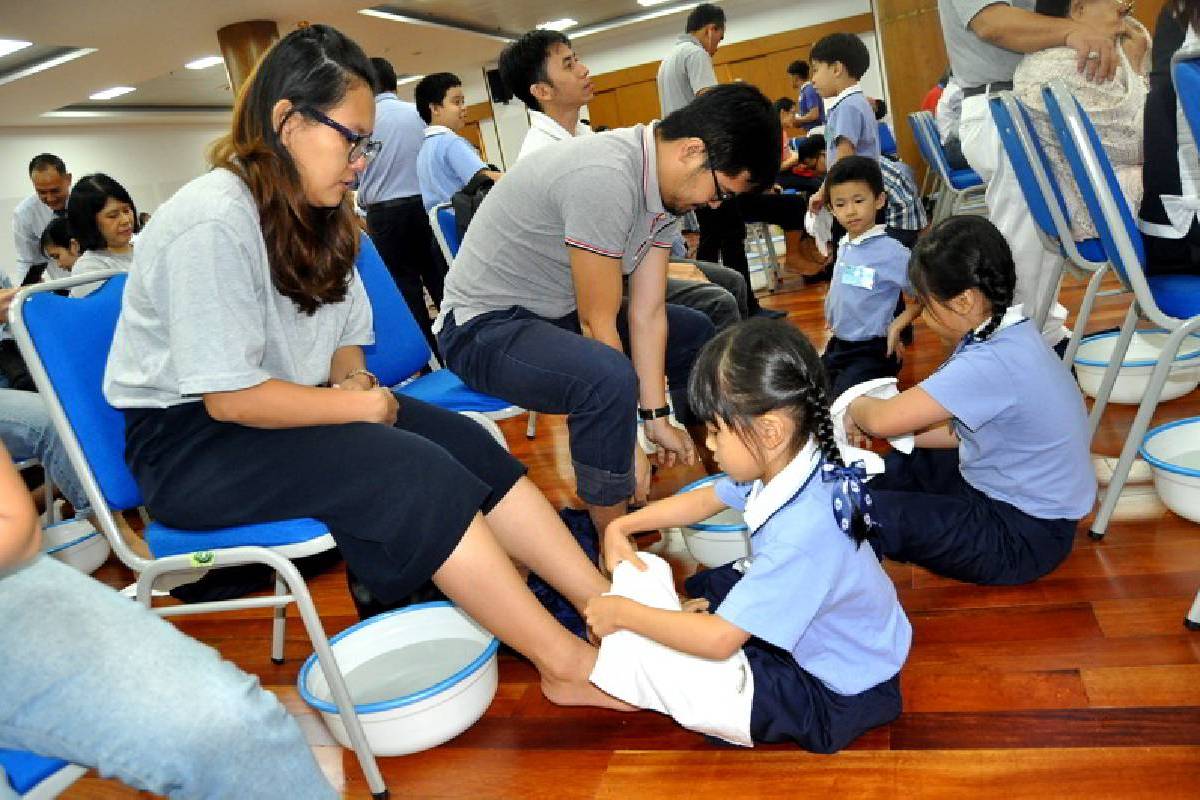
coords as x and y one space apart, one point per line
151 161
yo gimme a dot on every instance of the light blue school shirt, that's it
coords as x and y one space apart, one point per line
809 588
1021 421
445 164
393 173
849 116
808 100
870 273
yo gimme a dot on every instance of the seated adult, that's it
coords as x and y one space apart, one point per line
533 311
808 173
447 162
1115 107
238 363
103 220
1170 213
543 71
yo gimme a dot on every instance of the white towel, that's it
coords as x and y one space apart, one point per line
710 697
882 388
820 227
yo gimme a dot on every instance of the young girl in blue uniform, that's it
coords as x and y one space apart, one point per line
814 614
1001 475
869 278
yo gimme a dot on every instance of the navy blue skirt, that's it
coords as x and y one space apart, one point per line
397 500
930 516
790 705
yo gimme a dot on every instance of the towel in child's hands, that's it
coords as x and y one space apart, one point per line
703 695
882 388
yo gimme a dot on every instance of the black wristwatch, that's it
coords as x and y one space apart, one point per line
654 413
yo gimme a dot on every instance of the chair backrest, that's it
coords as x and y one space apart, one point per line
65 342
887 140
1102 193
934 141
445 230
918 130
1185 72
400 349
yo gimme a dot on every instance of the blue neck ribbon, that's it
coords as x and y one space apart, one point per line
849 494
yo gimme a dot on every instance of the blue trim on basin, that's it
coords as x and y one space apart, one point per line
1167 466
709 527
409 699
1087 362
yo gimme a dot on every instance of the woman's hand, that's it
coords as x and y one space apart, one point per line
642 475
675 442
618 546
695 605
1096 49
383 406
603 614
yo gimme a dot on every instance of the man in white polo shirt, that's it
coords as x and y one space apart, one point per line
52 186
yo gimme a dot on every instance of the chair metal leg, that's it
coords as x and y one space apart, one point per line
772 258
1114 367
1045 302
1192 620
531 425
1141 422
279 625
1085 314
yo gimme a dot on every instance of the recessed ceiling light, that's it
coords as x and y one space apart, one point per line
409 79
387 12
651 2
558 24
204 63
620 22
109 94
56 58
12 45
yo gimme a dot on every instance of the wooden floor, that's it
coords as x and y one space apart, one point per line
1082 685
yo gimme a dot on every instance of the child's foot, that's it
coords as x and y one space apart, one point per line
581 693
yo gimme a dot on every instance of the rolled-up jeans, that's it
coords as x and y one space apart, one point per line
91 677
547 365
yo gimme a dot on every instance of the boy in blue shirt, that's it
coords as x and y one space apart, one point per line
447 161
869 275
810 109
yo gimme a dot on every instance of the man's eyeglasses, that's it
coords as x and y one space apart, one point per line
361 144
722 193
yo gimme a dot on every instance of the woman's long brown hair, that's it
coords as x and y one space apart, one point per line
311 251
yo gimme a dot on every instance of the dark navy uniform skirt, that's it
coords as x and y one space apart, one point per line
790 704
396 499
851 363
930 516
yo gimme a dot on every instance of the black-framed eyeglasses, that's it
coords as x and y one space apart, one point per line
722 193
361 144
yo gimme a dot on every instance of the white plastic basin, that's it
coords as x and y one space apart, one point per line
1095 352
418 676
77 543
1173 453
721 538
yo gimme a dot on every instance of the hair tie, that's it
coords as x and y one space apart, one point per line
850 494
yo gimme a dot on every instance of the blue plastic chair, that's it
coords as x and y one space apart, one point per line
887 141
1170 302
35 777
1043 194
959 188
449 386
65 342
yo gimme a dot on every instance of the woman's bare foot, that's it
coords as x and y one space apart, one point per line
581 693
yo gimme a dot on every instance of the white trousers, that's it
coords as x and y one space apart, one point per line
1009 212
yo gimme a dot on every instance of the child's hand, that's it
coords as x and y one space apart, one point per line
817 201
854 434
602 614
696 605
618 547
894 345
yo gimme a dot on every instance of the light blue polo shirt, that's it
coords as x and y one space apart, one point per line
1022 423
849 116
393 173
870 273
809 588
445 164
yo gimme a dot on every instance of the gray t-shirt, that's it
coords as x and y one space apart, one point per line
686 70
200 313
974 61
97 261
598 193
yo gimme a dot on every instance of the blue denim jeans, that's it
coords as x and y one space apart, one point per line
547 365
26 432
89 676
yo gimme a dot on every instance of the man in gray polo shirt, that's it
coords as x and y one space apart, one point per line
985 40
688 69
533 313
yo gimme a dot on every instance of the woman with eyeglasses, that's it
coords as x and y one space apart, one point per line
1116 107
238 363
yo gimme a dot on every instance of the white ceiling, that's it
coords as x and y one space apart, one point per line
144 43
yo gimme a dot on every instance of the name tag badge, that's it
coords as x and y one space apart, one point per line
862 277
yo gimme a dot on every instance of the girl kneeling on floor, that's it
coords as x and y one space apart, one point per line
805 643
1001 475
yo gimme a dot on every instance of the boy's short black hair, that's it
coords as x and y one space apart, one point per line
880 107
431 90
810 146
523 63
705 14
856 168
799 68
385 75
845 48
785 104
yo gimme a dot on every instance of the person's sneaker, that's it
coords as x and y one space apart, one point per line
769 313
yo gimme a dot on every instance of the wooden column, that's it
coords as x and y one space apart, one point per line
911 40
242 45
